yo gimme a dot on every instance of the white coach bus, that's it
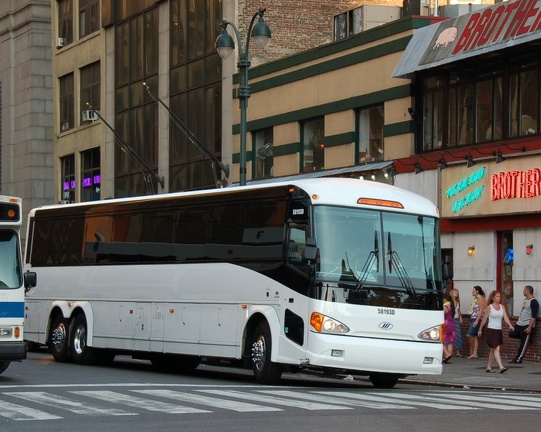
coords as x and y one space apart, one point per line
12 283
332 275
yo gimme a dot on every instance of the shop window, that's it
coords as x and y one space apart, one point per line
263 150
66 102
68 183
506 252
313 145
89 17
65 22
90 175
370 123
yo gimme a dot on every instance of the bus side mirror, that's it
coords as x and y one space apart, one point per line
30 280
310 250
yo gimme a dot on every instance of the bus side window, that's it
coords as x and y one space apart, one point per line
296 244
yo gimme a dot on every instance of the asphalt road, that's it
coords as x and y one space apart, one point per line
131 396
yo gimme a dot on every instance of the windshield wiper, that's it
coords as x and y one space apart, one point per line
395 261
373 256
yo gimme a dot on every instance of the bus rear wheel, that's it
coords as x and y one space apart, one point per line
383 381
81 353
265 371
58 339
4 365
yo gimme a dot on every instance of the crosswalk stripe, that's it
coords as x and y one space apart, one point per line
505 403
292 403
18 412
209 401
341 398
61 402
138 402
394 398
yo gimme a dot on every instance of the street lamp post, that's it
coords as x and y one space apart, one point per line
225 46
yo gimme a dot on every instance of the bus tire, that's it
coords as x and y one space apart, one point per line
265 371
58 339
81 353
4 365
383 381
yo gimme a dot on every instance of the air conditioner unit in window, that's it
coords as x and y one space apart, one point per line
60 42
89 115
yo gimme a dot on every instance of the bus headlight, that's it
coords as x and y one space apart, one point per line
325 324
433 334
5 331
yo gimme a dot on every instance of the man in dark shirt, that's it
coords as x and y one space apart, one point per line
526 323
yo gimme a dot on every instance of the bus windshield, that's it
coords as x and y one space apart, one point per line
378 258
10 266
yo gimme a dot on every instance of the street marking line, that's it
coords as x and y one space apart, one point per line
394 398
60 402
21 413
139 402
208 401
292 403
344 399
504 402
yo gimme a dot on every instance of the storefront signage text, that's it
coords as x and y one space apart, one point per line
463 185
499 23
515 184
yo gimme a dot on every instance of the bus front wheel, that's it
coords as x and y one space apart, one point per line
383 381
81 353
265 371
58 339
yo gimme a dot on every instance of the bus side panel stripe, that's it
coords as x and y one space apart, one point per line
12 310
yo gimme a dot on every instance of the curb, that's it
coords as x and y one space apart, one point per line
468 386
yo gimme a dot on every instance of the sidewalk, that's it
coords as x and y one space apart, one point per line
471 374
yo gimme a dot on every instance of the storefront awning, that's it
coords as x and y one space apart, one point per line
495 28
336 172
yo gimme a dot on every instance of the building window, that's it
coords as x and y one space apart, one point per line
90 175
370 132
433 114
90 87
89 17
313 133
136 119
65 21
66 103
524 101
196 92
67 164
263 150
487 103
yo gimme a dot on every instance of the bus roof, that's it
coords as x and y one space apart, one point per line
322 191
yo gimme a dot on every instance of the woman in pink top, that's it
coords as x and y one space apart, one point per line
495 313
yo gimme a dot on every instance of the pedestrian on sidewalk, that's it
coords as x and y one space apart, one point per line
449 323
476 314
457 345
495 313
525 323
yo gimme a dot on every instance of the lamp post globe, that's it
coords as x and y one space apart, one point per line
225 45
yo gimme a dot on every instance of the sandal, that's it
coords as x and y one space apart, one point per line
491 371
447 360
504 370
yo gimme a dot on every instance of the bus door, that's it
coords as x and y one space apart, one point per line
296 311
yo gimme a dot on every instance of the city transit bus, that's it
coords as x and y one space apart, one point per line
12 283
330 275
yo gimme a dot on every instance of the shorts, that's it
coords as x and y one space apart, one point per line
494 338
473 330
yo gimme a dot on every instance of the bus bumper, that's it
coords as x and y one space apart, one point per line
375 355
12 350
